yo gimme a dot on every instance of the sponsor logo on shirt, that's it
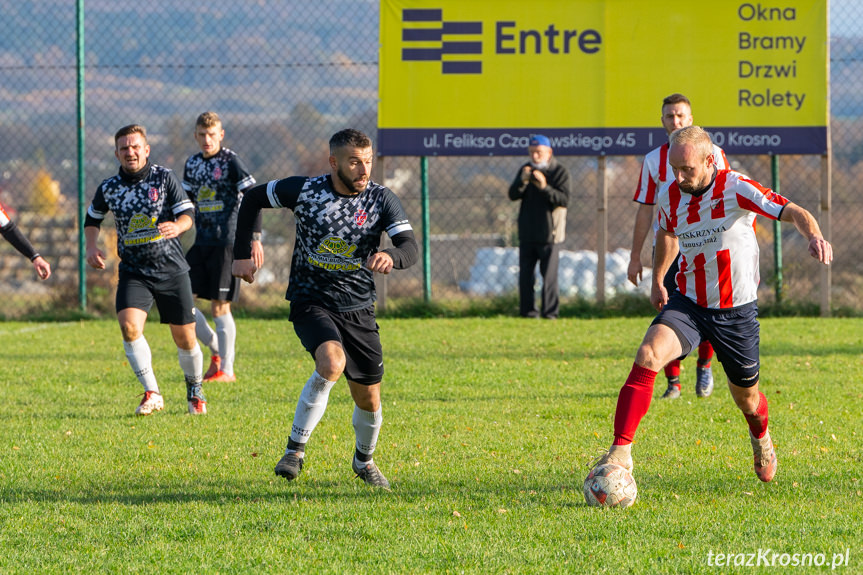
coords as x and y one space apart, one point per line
207 201
142 230
335 254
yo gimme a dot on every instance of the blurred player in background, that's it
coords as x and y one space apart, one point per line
656 176
542 186
340 219
150 212
12 234
215 180
708 214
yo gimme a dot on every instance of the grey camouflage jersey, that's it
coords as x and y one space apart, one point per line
335 236
139 204
216 186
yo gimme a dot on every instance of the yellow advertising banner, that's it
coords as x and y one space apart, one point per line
479 76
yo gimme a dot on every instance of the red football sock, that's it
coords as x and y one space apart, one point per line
758 421
632 403
672 369
705 354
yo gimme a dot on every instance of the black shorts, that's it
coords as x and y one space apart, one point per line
357 331
211 273
173 297
733 332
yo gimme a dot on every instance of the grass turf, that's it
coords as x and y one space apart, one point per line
489 428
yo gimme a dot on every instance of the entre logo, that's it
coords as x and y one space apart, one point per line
440 48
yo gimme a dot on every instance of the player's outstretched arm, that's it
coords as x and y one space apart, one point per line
805 222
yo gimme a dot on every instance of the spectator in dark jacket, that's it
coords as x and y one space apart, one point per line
542 185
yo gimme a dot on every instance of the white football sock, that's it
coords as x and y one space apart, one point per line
367 426
226 330
192 364
205 333
141 362
310 407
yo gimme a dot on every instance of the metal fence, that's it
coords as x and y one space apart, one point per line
284 75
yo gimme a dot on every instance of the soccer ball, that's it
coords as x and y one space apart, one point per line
610 485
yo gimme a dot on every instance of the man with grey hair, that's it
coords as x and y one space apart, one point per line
709 214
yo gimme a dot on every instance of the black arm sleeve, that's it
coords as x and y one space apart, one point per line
90 221
12 234
284 193
254 200
258 227
405 252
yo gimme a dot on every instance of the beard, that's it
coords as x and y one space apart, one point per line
539 165
687 188
351 184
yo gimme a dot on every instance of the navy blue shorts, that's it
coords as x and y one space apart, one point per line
211 273
357 331
734 333
173 297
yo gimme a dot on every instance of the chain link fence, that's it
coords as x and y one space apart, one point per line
284 75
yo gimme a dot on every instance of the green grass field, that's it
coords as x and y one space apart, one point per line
489 427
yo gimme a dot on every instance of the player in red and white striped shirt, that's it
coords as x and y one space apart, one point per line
709 213
656 176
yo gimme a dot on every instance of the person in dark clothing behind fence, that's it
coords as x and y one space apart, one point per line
542 185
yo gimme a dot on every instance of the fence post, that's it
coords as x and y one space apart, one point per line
826 199
601 228
777 233
82 180
424 193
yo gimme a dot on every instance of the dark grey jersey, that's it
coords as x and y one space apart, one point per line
216 186
336 234
139 203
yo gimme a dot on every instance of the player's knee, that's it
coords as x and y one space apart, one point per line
648 356
130 330
330 361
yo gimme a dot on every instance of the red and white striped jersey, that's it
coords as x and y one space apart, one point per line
718 250
656 174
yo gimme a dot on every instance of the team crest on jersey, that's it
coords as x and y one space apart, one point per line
153 194
360 217
217 173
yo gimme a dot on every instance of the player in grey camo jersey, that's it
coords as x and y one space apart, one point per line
215 179
340 219
151 211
